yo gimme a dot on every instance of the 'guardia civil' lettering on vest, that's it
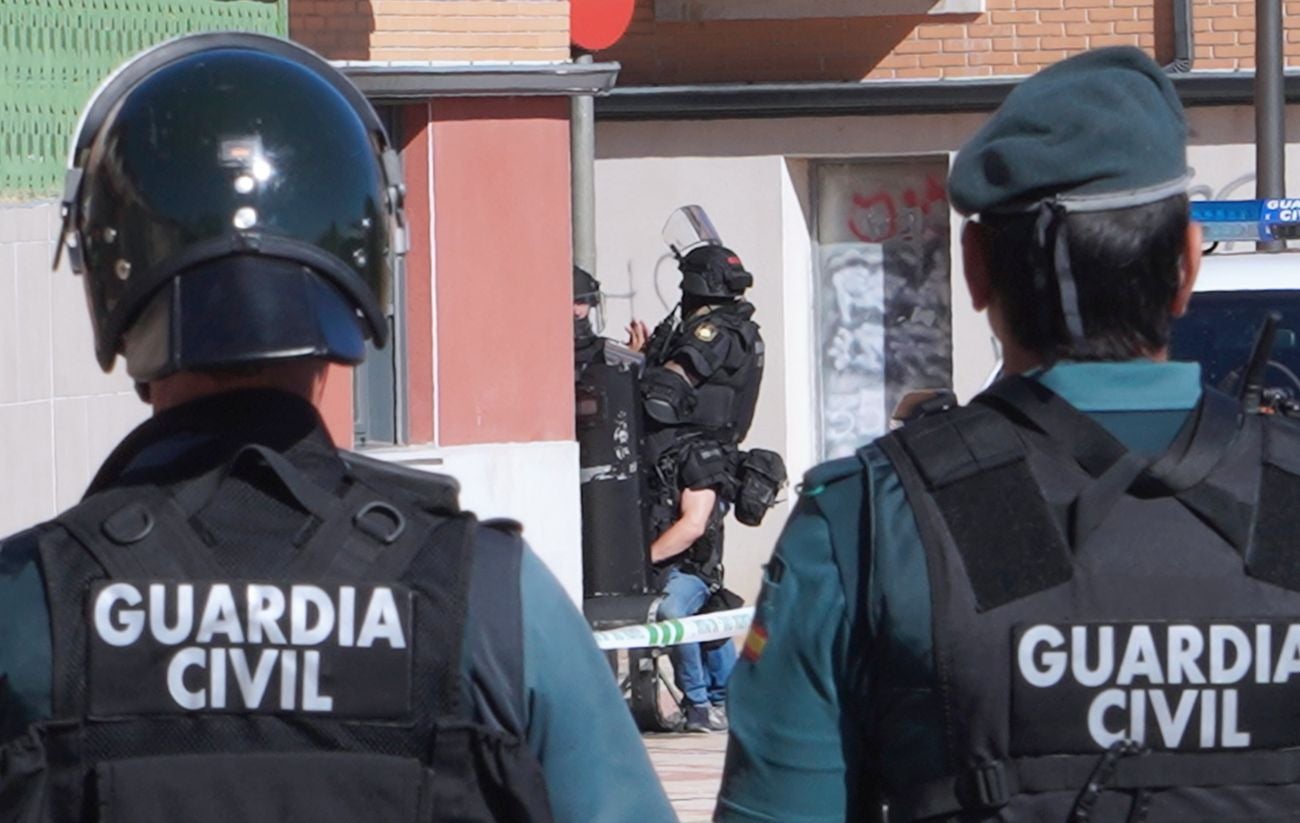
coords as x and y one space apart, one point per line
243 646
1202 685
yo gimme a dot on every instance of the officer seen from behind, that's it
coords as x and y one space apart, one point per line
700 388
239 621
1075 598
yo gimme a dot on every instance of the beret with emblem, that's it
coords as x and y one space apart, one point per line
1101 130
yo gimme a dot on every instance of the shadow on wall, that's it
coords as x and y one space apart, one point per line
815 49
1164 31
337 36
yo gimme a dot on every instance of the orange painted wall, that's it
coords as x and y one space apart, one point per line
503 246
336 405
420 341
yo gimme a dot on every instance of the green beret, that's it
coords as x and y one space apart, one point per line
1100 130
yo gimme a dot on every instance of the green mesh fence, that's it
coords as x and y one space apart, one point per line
53 53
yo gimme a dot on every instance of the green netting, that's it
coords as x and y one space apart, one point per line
54 52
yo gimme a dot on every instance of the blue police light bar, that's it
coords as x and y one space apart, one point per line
1252 220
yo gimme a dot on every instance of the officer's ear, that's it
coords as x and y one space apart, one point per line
1189 265
974 255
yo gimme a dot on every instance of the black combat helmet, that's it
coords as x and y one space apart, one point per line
230 199
714 272
586 289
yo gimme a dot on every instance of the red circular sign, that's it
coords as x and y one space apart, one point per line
597 24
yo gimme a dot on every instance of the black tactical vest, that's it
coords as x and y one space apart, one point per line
726 348
330 693
1115 637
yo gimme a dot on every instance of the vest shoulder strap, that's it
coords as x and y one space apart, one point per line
966 472
1271 555
430 491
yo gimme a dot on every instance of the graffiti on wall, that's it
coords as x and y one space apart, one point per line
883 293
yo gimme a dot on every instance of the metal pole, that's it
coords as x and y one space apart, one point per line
582 151
1270 108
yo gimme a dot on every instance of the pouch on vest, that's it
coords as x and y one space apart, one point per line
762 474
721 600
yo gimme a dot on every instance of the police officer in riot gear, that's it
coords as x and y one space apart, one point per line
1076 597
587 344
699 389
240 622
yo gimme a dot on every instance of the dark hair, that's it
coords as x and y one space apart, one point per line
1125 264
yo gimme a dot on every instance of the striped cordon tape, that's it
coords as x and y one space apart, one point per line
694 629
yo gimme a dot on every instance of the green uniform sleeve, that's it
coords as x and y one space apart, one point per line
25 649
592 757
787 758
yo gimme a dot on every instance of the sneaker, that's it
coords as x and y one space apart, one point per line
697 719
718 717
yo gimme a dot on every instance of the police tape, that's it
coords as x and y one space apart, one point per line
695 629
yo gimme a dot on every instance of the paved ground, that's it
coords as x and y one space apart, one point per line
690 766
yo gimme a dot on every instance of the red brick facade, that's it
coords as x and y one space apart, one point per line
1010 37
442 30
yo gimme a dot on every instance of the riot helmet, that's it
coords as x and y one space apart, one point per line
231 199
711 272
586 289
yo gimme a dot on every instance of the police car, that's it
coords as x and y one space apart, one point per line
1237 286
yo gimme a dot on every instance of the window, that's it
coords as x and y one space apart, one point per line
378 384
882 292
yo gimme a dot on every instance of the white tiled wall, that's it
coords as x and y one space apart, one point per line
59 414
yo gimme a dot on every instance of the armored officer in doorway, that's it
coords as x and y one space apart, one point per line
1075 598
588 345
240 622
699 389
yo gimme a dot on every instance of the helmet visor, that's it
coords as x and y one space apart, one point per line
689 227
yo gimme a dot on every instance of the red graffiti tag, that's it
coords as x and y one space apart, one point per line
874 217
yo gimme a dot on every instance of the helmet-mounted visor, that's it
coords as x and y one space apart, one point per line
689 228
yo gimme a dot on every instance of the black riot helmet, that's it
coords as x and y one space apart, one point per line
231 199
713 273
586 289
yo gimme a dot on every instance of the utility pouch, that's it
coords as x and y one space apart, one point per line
304 787
25 790
721 600
762 474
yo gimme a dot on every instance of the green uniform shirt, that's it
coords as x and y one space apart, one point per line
799 703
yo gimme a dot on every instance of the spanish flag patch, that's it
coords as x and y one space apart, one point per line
755 642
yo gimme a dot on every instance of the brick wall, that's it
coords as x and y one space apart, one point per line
1011 37
460 30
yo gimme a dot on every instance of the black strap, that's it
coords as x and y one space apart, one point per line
1206 438
439 568
1209 433
1032 404
993 785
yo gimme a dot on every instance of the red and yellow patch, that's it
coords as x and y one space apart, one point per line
755 642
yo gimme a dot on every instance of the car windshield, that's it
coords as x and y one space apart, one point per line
1220 328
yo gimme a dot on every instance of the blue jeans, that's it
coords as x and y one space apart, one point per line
700 674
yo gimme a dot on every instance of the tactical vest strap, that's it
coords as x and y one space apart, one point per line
442 576
1272 556
993 785
971 463
147 531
